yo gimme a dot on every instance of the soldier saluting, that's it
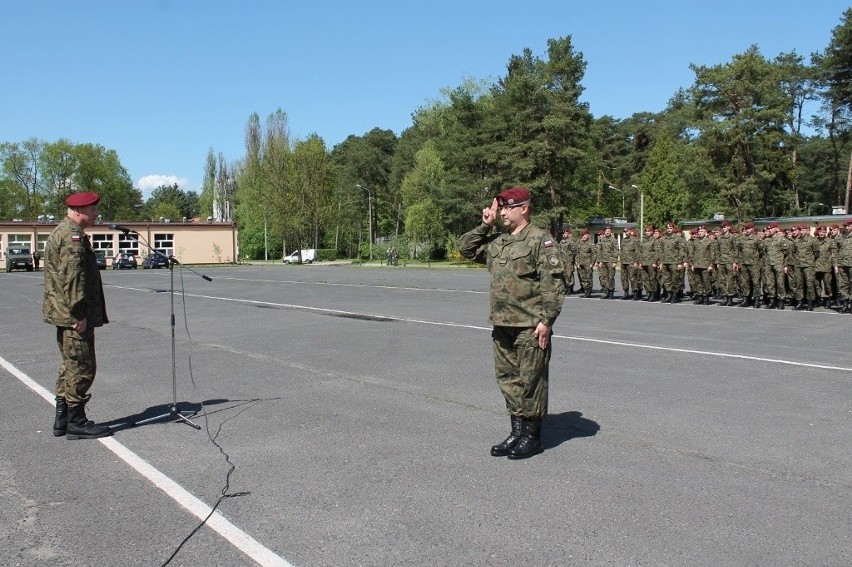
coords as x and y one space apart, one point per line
74 303
526 298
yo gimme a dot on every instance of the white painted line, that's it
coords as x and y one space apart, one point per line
235 536
566 337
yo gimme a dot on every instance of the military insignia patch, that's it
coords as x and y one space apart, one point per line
75 238
554 261
548 243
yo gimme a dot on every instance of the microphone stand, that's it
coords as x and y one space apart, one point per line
174 414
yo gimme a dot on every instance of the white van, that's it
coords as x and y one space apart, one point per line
308 256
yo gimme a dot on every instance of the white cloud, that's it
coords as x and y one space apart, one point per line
148 183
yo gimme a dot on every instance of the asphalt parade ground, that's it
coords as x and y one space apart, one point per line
346 415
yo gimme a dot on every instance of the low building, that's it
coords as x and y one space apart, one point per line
188 242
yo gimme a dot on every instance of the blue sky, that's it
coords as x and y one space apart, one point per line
162 81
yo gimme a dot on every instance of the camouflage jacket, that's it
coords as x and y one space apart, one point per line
805 251
72 282
650 251
607 250
778 249
527 277
749 249
630 250
825 258
586 253
568 249
674 249
703 253
843 252
727 248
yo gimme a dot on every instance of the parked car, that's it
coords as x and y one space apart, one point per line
155 260
100 258
308 256
19 259
124 261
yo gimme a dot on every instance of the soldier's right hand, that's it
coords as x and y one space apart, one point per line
489 214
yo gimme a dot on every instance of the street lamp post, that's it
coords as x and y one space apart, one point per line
622 198
811 206
370 213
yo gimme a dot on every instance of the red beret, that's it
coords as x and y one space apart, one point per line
513 196
847 223
773 225
725 223
76 200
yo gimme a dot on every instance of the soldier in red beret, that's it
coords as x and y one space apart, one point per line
74 303
527 290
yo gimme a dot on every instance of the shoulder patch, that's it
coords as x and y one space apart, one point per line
554 261
75 238
548 243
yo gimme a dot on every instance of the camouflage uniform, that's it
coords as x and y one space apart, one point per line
649 258
586 259
568 249
73 292
823 268
777 252
701 262
673 254
749 250
727 277
607 257
527 288
843 269
805 251
630 266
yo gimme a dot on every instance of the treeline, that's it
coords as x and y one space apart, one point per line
753 137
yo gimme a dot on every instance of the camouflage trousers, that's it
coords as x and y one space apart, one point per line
775 282
805 283
569 277
649 279
824 284
585 276
750 281
521 368
726 280
629 278
672 278
606 276
703 279
78 366
844 282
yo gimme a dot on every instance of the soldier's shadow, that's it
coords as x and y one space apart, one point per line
562 427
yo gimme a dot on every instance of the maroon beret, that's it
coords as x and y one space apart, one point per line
725 223
77 200
848 223
773 225
513 196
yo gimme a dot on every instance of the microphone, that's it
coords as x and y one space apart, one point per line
123 229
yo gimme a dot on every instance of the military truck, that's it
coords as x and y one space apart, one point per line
19 259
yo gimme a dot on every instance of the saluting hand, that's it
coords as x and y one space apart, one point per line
489 214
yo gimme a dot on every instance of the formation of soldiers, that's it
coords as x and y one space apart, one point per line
772 267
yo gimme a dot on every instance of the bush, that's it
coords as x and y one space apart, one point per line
326 254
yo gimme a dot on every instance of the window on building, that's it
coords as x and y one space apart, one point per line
103 242
20 241
165 242
128 243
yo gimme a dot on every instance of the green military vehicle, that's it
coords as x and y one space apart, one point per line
19 259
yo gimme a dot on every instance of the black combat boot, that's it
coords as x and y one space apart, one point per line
587 293
60 423
501 449
848 307
637 295
627 295
707 300
810 305
530 442
79 427
757 302
801 306
781 303
771 304
700 300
